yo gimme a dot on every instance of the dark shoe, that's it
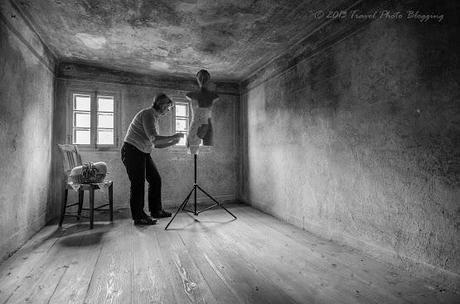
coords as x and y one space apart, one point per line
160 214
145 221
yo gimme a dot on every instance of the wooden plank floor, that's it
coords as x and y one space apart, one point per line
210 259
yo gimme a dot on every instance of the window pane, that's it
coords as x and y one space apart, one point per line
82 102
105 120
82 137
82 120
105 104
181 125
182 140
181 110
105 137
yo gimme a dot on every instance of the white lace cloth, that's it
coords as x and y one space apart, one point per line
76 187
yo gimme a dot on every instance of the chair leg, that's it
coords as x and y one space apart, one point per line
63 206
81 197
111 202
91 207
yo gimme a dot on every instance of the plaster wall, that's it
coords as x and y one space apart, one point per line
217 165
26 114
359 141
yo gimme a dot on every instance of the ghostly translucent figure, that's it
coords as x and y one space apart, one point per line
201 103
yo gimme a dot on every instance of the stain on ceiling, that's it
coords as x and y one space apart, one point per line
230 38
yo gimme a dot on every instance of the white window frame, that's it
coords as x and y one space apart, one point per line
188 118
93 112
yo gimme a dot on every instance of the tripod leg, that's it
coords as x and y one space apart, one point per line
181 207
215 201
187 199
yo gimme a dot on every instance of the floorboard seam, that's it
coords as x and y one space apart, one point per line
9 297
33 268
194 262
92 274
57 285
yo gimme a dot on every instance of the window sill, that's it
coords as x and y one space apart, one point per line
183 149
98 149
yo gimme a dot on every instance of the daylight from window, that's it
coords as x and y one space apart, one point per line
102 129
182 120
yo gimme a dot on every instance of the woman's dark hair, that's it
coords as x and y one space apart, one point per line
158 100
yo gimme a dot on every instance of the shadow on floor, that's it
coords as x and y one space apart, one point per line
80 240
201 223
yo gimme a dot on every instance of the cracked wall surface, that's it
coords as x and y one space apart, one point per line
26 115
360 140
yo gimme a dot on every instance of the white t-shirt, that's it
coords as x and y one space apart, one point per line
143 130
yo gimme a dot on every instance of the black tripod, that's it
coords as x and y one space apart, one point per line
194 190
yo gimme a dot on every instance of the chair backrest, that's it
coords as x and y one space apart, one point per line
71 157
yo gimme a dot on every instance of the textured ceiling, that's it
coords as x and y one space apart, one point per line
229 38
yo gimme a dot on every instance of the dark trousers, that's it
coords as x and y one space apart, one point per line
140 167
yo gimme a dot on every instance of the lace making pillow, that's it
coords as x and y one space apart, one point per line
88 173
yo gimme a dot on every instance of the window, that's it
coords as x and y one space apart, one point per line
182 120
105 121
81 119
93 120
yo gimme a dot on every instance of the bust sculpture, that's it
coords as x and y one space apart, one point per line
201 102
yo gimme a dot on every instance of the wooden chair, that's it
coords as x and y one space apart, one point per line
71 159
